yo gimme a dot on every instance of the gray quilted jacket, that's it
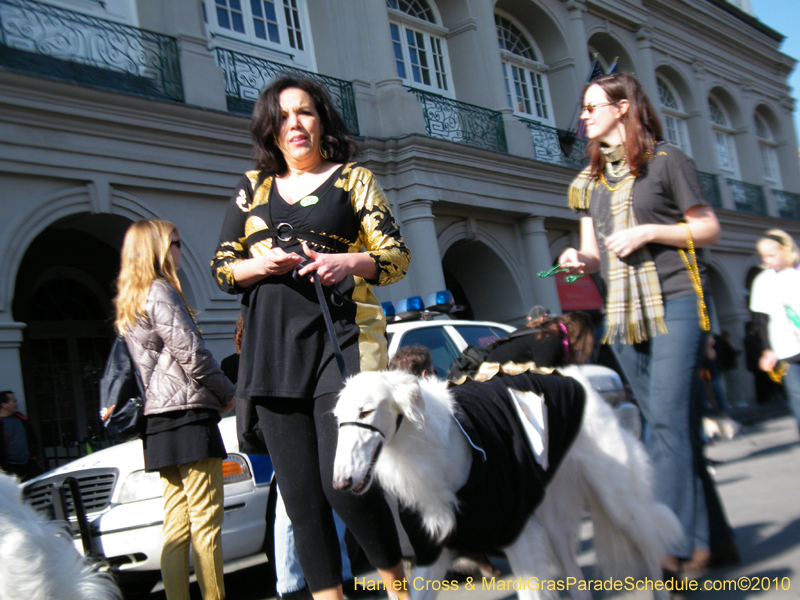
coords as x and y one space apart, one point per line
177 369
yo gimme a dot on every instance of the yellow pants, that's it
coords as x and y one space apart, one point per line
193 513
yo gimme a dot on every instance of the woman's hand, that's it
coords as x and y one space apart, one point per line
229 406
571 259
767 361
278 262
274 261
332 268
624 243
587 259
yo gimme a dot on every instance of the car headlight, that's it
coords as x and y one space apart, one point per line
140 486
235 468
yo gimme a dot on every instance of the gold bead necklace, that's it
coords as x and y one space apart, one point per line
694 275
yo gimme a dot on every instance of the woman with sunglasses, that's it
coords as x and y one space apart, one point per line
185 392
642 214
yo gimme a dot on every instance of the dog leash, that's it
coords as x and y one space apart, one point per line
337 351
326 316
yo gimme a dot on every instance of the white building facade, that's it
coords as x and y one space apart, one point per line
117 110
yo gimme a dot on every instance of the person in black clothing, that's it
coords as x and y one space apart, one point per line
19 449
562 340
308 210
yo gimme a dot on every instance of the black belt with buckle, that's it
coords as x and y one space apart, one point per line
284 232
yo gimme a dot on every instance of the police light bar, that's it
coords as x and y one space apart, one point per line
410 308
388 309
441 302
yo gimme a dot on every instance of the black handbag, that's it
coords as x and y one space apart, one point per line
121 396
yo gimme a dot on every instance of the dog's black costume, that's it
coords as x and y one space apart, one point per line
505 483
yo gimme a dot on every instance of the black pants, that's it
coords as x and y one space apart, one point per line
302 436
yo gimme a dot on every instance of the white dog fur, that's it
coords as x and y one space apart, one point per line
425 461
37 558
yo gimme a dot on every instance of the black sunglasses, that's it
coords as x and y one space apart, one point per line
176 243
590 108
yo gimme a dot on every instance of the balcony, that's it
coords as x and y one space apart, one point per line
246 76
556 146
48 41
788 204
711 190
463 123
748 197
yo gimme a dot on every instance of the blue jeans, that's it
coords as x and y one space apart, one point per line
287 564
791 385
662 373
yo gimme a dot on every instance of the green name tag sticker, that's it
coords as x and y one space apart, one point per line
309 201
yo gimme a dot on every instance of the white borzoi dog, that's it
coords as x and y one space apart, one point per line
37 558
426 460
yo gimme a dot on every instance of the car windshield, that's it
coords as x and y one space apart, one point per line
480 335
443 349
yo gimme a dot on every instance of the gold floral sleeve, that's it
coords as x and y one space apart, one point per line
232 246
379 236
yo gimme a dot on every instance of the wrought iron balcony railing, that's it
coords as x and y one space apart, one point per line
710 183
748 197
556 146
246 76
55 42
788 204
460 122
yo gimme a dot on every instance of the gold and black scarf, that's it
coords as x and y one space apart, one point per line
634 303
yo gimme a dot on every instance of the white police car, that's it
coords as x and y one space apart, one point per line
124 506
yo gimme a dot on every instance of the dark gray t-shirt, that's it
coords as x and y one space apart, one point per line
18 451
661 195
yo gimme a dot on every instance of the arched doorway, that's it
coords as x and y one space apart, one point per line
63 294
482 282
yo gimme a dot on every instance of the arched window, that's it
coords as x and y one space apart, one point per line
674 116
278 27
420 49
524 73
769 152
723 138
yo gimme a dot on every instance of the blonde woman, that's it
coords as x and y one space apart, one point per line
775 302
185 392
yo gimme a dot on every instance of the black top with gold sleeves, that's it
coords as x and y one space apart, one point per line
285 349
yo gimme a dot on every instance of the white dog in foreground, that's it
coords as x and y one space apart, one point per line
401 431
37 558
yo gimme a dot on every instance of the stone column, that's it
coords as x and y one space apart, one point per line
577 29
203 80
537 252
419 233
647 74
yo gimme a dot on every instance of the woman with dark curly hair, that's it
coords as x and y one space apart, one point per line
309 210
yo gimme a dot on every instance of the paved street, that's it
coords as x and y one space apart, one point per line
759 479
